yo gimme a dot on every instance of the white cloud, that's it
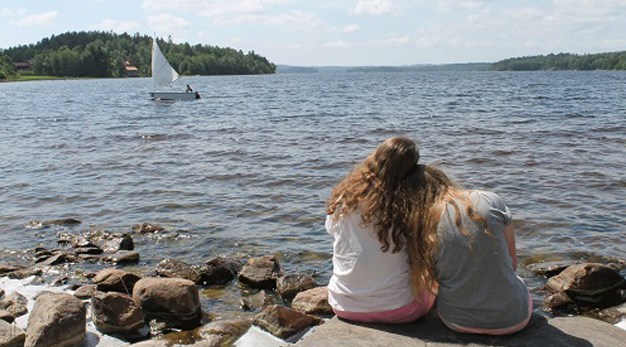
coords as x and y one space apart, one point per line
40 20
462 5
350 28
167 23
397 41
373 7
115 25
336 44
7 12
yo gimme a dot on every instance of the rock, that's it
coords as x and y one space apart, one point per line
174 268
11 335
56 259
558 301
290 285
1 293
91 258
284 322
85 292
313 301
152 343
24 273
224 332
173 301
6 316
220 270
550 268
261 272
59 280
122 257
116 313
256 301
15 303
57 319
116 243
590 284
6 268
144 228
115 280
88 250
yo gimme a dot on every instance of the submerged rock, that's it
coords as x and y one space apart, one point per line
35 224
144 228
174 268
58 319
173 301
24 273
284 322
256 301
220 270
261 272
290 285
224 331
551 268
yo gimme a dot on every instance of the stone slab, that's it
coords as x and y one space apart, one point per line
429 331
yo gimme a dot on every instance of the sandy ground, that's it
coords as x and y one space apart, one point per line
255 337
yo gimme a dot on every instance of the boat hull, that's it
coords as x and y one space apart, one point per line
173 96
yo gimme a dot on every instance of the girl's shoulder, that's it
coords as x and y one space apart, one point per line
490 204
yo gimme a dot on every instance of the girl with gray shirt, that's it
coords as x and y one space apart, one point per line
466 245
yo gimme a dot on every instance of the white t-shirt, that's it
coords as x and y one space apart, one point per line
365 279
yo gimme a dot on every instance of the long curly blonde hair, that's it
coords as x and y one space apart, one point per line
434 192
375 188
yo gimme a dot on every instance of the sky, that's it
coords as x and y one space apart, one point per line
340 32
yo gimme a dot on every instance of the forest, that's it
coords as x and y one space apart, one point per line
103 54
564 61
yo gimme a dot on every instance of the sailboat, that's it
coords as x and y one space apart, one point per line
163 75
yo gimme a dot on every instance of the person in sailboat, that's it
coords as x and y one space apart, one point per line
189 89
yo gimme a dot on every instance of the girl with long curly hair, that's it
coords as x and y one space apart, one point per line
370 214
465 243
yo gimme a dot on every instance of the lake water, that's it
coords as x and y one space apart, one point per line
246 169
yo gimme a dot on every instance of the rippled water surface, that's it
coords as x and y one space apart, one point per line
246 169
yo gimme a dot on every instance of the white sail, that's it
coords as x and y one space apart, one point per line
162 72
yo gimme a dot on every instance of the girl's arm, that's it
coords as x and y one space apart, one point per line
509 236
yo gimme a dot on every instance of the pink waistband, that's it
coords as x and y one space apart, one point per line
407 313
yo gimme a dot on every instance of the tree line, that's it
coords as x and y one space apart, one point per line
564 61
104 54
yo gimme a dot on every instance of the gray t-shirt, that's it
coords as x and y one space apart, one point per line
478 287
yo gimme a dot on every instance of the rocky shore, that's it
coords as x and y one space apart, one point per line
45 303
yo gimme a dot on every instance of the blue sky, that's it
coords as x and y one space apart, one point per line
340 32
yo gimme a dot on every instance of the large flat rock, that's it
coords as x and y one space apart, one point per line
429 331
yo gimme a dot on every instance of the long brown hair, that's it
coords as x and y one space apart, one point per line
375 188
434 193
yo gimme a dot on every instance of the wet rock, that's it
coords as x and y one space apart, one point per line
284 322
550 268
115 280
6 316
5 268
116 313
11 335
590 284
88 250
256 301
57 319
313 301
1 293
35 224
261 272
115 243
559 301
224 332
24 273
152 343
174 268
82 242
144 228
91 258
122 257
220 270
15 303
173 301
613 315
56 259
59 281
290 285
85 292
